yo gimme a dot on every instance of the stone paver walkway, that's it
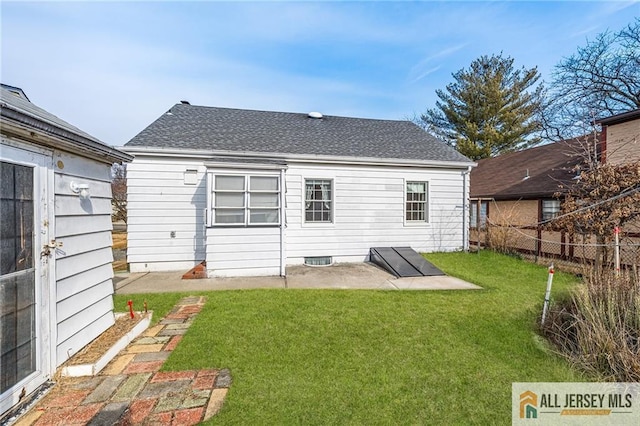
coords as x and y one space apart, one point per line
131 390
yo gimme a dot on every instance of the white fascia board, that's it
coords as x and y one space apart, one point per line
87 148
367 161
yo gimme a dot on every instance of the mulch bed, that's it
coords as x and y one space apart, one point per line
98 347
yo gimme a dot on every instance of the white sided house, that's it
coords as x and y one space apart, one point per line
251 192
55 253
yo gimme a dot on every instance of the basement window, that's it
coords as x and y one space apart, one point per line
318 261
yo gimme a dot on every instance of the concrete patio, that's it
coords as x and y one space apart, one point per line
354 276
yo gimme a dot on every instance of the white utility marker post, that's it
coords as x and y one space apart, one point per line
616 234
547 295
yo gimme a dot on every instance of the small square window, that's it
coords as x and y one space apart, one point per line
550 209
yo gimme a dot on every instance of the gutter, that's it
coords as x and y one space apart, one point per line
283 224
369 161
465 207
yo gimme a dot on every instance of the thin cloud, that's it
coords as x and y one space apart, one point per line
418 71
584 31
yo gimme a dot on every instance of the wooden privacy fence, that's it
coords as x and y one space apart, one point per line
543 243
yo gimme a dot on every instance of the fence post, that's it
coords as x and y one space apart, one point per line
616 233
538 242
547 294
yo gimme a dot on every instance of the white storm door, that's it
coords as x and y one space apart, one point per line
24 311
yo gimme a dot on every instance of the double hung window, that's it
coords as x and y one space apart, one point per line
416 202
478 218
318 200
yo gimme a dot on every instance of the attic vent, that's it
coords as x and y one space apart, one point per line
185 102
314 114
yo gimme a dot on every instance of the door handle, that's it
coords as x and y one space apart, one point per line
46 249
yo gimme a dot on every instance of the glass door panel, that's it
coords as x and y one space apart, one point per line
17 275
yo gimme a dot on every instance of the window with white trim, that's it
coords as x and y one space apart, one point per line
475 220
246 200
318 201
416 202
550 209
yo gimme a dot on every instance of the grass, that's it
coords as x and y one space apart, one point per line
376 357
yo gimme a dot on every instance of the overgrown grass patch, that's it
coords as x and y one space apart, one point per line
598 327
372 357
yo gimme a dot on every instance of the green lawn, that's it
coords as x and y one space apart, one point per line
378 357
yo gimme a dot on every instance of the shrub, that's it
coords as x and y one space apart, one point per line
598 326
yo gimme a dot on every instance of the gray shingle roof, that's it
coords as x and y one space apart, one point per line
15 107
235 130
17 103
548 166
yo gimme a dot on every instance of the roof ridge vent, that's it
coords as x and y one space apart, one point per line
185 102
316 115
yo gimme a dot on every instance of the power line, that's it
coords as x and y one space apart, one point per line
624 193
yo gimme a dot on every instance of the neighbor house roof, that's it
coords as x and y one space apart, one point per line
547 166
282 134
22 116
620 118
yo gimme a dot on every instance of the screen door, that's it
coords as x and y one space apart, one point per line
17 275
24 311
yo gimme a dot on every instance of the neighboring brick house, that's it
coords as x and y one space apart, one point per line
518 189
620 137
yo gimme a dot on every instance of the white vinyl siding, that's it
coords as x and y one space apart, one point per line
250 251
84 288
159 202
369 211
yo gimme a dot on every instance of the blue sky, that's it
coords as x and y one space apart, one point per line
111 68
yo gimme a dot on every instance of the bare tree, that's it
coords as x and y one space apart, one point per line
602 197
119 192
601 79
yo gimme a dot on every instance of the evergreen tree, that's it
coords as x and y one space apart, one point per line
489 109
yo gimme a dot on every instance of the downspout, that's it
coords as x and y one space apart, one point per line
283 210
465 206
